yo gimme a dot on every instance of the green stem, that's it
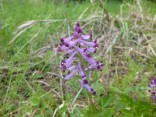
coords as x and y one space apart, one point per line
77 95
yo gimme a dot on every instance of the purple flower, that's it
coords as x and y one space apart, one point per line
91 44
71 57
86 37
65 65
83 75
65 40
152 85
78 50
91 49
70 75
62 48
71 43
72 68
85 57
84 83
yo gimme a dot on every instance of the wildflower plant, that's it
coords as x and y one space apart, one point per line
152 85
79 49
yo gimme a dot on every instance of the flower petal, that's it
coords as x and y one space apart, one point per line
71 57
67 77
83 75
152 85
65 65
92 49
71 43
152 82
72 67
88 59
98 65
78 28
65 40
84 83
86 37
62 48
70 51
92 44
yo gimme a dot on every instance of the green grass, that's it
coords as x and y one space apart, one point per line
28 88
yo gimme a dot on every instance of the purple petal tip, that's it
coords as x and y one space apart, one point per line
85 82
84 76
94 92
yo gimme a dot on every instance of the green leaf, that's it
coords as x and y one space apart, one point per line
126 99
115 89
106 101
108 113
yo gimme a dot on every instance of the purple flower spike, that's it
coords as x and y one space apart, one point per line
152 85
79 47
